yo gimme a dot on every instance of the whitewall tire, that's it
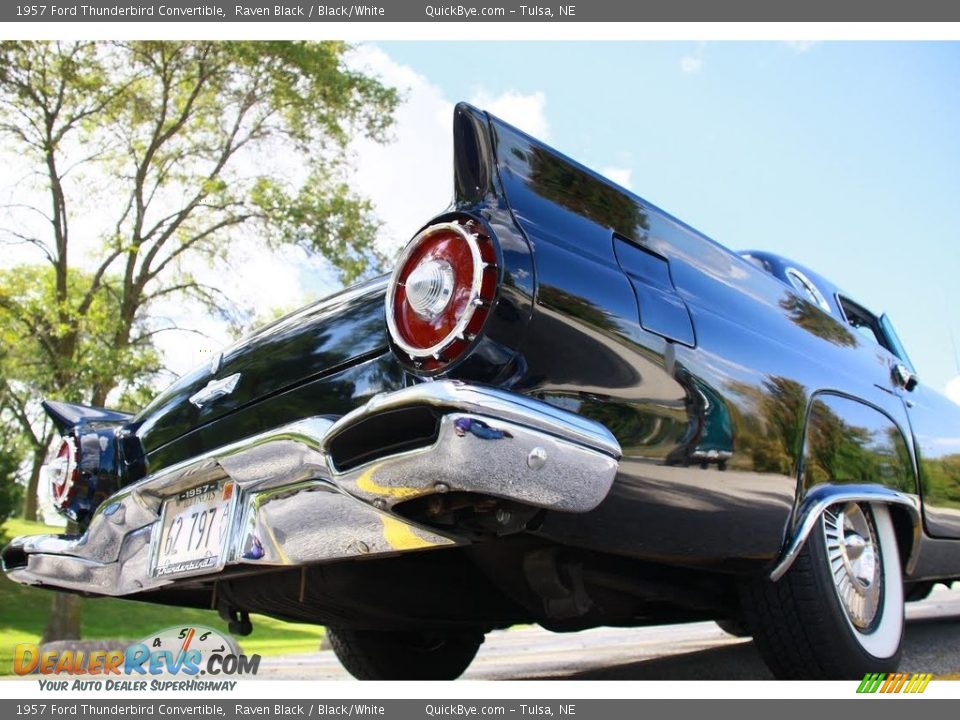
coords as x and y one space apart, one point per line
838 612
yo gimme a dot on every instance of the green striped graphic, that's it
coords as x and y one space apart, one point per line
871 682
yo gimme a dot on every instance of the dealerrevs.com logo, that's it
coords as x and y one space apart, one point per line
173 659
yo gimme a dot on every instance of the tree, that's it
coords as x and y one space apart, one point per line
143 157
184 136
31 368
10 458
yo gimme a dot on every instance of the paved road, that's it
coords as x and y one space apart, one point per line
695 651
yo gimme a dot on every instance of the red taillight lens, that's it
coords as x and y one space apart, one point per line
63 473
441 292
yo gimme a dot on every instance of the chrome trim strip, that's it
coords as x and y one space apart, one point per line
810 287
822 496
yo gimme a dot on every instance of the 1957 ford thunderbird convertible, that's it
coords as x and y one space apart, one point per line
563 407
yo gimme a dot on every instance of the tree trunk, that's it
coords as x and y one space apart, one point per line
64 620
30 503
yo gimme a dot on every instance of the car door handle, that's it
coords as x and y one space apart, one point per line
215 389
904 377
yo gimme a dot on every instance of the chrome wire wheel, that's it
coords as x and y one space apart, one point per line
855 563
838 611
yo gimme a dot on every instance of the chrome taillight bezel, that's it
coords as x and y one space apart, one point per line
63 474
438 355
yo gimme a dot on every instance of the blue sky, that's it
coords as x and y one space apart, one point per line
842 156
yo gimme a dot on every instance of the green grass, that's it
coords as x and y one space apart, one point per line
23 615
15 526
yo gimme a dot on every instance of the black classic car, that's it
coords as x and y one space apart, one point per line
563 407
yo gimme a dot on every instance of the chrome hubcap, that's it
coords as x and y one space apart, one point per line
854 562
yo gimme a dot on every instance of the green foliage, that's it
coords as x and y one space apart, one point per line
10 490
34 324
186 136
178 148
941 481
322 216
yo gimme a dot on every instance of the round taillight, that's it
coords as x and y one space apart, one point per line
441 292
63 473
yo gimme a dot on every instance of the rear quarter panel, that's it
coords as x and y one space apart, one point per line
759 355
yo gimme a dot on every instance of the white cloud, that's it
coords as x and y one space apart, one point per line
527 112
620 175
411 178
690 64
953 389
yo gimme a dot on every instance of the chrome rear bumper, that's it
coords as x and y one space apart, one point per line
299 503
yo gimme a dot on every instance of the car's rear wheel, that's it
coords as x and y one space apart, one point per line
380 655
838 612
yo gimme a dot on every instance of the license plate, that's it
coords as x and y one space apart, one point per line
194 531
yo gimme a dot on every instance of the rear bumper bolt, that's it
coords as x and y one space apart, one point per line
537 458
360 548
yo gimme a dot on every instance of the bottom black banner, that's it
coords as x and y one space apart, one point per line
591 709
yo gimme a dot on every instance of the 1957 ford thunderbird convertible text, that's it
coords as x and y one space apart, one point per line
563 407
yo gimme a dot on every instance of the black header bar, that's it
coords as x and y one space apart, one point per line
484 11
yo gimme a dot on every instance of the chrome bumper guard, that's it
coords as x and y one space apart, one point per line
295 507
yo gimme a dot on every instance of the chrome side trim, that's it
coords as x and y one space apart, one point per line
823 496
